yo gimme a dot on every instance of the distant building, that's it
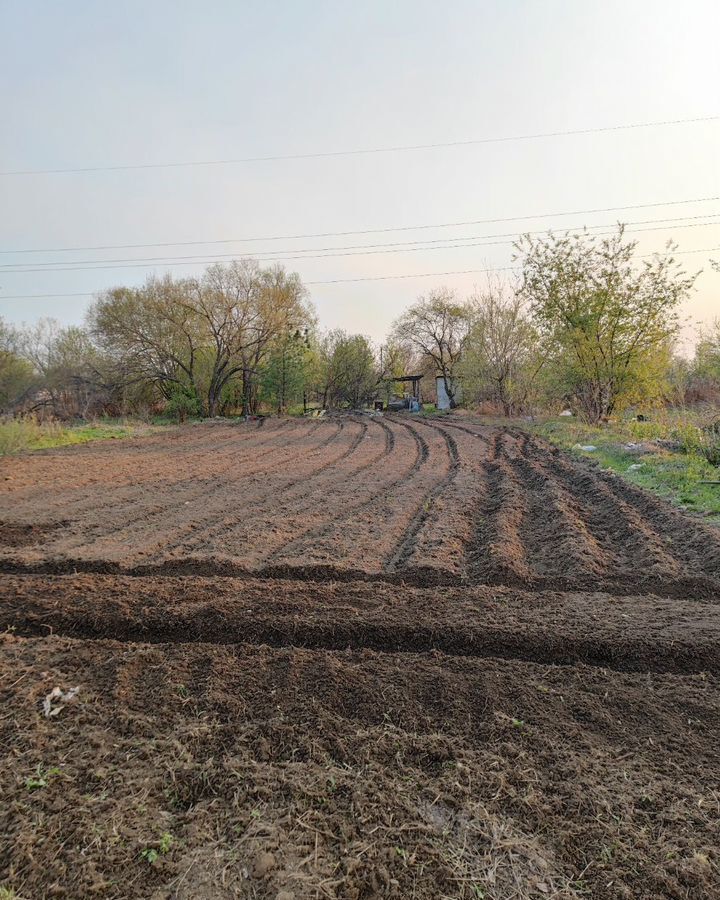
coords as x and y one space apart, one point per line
443 401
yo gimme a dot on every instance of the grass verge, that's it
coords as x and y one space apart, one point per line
653 455
18 435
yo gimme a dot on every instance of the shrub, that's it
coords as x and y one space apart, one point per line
183 404
710 443
701 440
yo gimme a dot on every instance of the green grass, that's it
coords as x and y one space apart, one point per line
21 435
674 473
430 411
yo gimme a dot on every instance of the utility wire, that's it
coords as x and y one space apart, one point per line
479 271
386 230
447 241
266 253
361 151
169 262
370 277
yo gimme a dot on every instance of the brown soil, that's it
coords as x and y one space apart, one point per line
357 658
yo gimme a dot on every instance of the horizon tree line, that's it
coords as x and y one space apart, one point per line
587 324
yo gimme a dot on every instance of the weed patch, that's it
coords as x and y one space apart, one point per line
673 459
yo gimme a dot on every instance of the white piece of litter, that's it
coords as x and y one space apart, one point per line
55 701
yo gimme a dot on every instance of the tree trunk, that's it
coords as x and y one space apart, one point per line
245 393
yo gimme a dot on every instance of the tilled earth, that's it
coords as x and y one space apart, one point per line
360 657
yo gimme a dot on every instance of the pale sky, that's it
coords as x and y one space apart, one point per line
87 84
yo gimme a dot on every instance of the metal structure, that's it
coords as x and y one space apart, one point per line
413 380
408 401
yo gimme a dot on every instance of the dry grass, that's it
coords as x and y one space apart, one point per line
20 435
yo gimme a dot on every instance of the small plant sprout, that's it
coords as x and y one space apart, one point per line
166 842
40 777
153 854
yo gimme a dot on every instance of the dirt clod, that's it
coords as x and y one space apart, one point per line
264 864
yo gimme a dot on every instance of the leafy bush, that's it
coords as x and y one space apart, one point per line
696 431
700 440
648 431
689 436
183 404
710 443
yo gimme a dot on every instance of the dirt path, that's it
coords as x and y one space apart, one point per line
361 657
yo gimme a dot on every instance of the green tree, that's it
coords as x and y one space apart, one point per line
153 334
246 310
198 336
349 374
17 375
608 318
287 372
183 404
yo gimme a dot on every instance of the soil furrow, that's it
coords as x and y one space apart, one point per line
407 544
250 492
543 647
498 551
135 462
328 659
555 535
476 434
313 500
117 527
379 497
128 502
631 539
623 585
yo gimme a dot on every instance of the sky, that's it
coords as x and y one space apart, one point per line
87 84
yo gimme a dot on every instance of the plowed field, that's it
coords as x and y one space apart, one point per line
355 657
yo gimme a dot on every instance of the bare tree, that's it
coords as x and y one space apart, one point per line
72 374
503 358
437 327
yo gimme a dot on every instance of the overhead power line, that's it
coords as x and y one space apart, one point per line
359 152
384 230
309 253
475 271
369 277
